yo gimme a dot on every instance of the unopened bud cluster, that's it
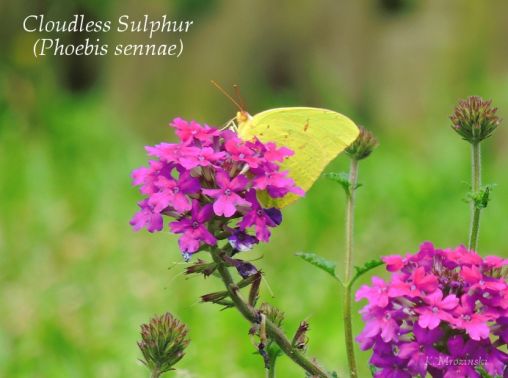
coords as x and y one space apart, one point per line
363 146
475 119
275 315
163 341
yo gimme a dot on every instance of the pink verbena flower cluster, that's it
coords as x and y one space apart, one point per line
209 182
443 312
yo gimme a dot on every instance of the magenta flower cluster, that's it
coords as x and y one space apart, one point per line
443 313
209 182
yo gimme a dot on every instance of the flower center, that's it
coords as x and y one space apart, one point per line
227 192
195 224
201 158
486 295
194 132
241 156
466 317
413 287
435 310
388 317
482 282
259 212
176 189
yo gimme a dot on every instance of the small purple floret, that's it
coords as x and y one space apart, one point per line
242 241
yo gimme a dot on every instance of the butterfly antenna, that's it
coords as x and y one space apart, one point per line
239 96
216 85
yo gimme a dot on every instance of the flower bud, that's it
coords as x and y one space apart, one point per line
474 119
201 267
363 145
254 289
300 338
215 297
163 341
244 268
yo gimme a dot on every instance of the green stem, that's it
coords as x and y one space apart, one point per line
348 333
350 218
274 332
155 373
271 371
476 166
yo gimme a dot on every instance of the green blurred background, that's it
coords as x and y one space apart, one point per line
76 282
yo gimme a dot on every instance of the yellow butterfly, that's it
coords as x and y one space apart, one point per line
315 135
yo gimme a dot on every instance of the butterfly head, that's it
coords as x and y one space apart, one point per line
242 117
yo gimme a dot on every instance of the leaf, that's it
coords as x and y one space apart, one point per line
361 270
320 262
342 178
480 198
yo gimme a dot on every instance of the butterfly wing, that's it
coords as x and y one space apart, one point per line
315 135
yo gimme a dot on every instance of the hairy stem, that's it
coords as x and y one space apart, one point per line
350 218
476 167
274 332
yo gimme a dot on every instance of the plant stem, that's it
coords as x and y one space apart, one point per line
350 218
348 333
155 373
274 332
271 371
476 166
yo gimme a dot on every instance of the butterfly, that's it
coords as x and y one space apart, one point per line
315 135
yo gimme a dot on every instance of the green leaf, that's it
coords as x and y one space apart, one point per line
480 198
320 262
361 270
342 179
